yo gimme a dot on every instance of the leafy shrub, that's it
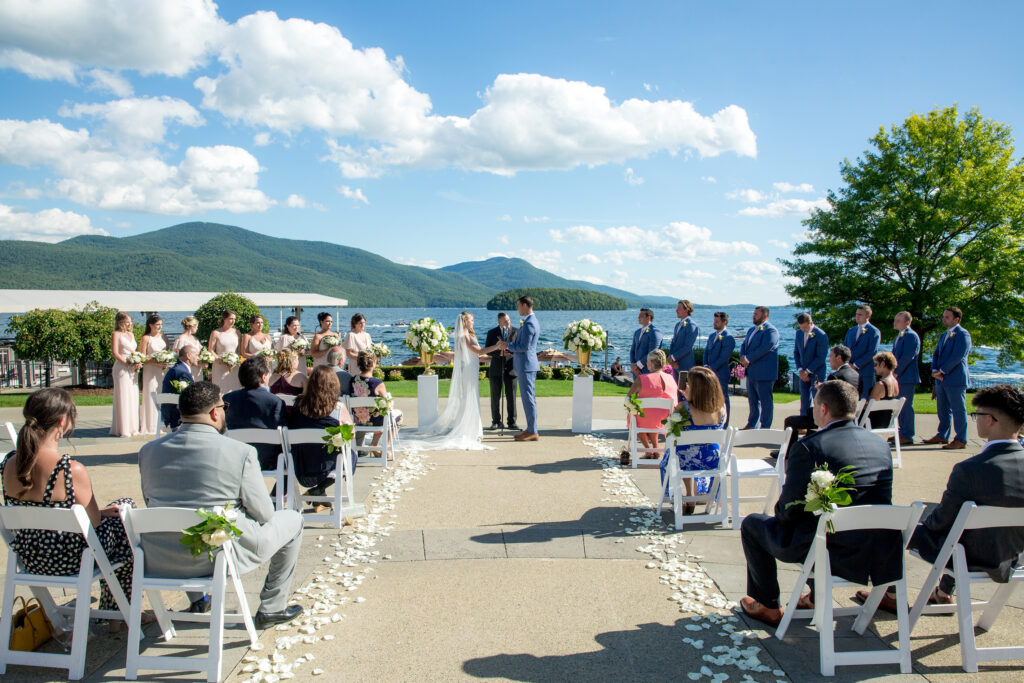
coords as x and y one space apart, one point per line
483 374
545 372
378 373
209 314
565 373
395 375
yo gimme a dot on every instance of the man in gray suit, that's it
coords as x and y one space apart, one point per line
335 358
197 466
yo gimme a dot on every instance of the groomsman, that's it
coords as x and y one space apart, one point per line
862 340
759 354
718 353
500 373
907 349
680 351
949 369
810 353
646 339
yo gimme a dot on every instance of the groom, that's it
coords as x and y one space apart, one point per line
524 361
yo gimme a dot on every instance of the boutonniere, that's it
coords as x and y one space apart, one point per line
719 337
860 331
902 332
760 328
685 323
952 333
645 331
810 335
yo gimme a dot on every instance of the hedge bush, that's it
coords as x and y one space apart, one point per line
565 373
545 372
209 314
395 376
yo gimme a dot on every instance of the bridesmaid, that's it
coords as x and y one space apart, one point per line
320 355
292 332
256 339
223 340
358 339
126 389
189 325
152 341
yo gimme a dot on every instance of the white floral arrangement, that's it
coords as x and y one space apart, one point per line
584 335
380 350
383 405
632 406
299 344
825 490
231 359
330 341
216 529
266 353
180 385
426 335
206 355
136 358
165 357
337 437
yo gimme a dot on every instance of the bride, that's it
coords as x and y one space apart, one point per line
458 427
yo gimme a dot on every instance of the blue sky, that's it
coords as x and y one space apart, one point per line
663 147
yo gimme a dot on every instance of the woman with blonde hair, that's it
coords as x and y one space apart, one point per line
125 420
189 325
290 380
704 397
655 384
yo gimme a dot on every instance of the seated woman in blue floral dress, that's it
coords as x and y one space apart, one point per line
703 395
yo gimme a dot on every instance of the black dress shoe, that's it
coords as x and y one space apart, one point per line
265 619
494 426
513 425
201 606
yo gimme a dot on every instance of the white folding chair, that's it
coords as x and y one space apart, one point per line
632 442
756 468
343 501
972 517
12 433
172 520
715 509
818 564
860 406
384 444
289 399
159 400
274 436
94 566
893 428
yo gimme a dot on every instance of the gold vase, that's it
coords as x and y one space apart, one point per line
584 358
428 358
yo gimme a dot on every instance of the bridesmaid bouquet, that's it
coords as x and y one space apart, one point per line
426 335
231 359
266 353
136 359
380 350
206 355
215 530
299 344
330 340
165 357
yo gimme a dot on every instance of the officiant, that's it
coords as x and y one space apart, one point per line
500 373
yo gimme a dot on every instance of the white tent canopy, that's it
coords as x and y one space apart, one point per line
24 300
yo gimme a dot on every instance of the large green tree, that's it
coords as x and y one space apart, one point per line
70 335
931 216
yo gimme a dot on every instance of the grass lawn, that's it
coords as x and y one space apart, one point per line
544 388
18 400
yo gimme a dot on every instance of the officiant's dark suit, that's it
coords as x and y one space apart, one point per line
501 376
788 535
179 372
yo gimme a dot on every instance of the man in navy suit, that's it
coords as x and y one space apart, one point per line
253 406
862 339
524 362
646 339
907 349
810 353
179 372
949 369
759 354
718 353
680 350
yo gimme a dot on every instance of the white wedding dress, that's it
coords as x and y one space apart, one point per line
458 427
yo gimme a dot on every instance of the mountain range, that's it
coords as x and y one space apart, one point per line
212 256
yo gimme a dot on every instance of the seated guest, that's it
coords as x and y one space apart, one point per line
317 408
254 407
181 371
654 385
839 361
788 535
37 475
365 384
885 388
616 368
335 358
196 467
703 395
290 378
993 477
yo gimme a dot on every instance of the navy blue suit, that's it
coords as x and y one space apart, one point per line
811 356
643 344
907 349
256 409
179 372
717 354
683 338
761 348
863 348
951 393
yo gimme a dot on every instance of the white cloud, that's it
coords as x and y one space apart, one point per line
679 241
587 278
536 219
137 121
783 207
708 179
749 196
505 217
672 287
356 194
92 173
588 258
620 277
754 272
261 139
632 178
503 239
49 225
779 243
422 263
550 259
787 187
48 39
109 81
296 201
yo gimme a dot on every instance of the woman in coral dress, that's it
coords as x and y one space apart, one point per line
152 341
655 384
189 325
125 420
223 340
358 339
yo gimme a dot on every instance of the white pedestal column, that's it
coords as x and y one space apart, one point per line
582 404
426 399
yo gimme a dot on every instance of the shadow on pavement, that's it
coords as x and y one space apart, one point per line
599 522
571 465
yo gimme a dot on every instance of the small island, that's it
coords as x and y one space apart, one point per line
552 299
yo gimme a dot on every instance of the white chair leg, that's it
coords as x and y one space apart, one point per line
131 666
964 616
930 582
899 453
243 604
163 615
734 486
903 623
995 605
80 636
6 620
794 597
867 612
216 656
826 622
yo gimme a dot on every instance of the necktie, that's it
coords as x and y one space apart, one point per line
805 341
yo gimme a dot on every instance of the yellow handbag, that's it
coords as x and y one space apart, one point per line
29 627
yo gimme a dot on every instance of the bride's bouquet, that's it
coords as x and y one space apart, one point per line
426 335
299 344
230 359
584 335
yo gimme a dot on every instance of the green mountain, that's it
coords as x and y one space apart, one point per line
552 299
504 273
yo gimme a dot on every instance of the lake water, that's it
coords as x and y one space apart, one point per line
387 325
